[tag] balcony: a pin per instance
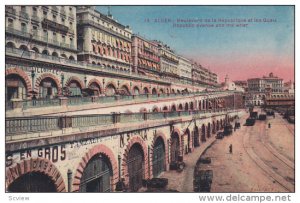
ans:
(39, 38)
(10, 10)
(24, 15)
(35, 18)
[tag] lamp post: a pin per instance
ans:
(62, 83)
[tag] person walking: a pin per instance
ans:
(230, 148)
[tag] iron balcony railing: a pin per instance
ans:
(25, 125)
(38, 38)
(36, 103)
(31, 124)
(73, 101)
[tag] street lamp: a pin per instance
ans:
(62, 83)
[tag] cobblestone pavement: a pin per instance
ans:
(260, 162)
(183, 182)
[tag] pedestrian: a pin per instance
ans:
(230, 148)
(269, 125)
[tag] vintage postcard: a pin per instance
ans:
(189, 99)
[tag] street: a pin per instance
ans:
(262, 158)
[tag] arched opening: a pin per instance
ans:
(136, 90)
(155, 109)
(186, 107)
(200, 107)
(146, 90)
(165, 108)
(158, 157)
(180, 107)
(161, 91)
(64, 56)
(96, 89)
(33, 182)
(97, 175)
(36, 50)
(45, 52)
(143, 110)
(154, 91)
(124, 90)
(48, 88)
(173, 108)
(23, 47)
(196, 137)
(203, 133)
(15, 87)
(208, 130)
(71, 58)
(10, 45)
(75, 88)
(192, 105)
(55, 54)
(110, 90)
(175, 147)
(135, 164)
(188, 146)
(173, 91)
(178, 91)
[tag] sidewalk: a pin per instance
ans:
(183, 182)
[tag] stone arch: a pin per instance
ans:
(173, 107)
(98, 149)
(165, 108)
(143, 110)
(75, 78)
(125, 90)
(189, 140)
(154, 91)
(24, 47)
(186, 106)
(47, 75)
(196, 136)
(200, 107)
(218, 125)
(22, 74)
(134, 140)
(40, 165)
(176, 131)
(192, 105)
(10, 45)
(146, 90)
(35, 49)
(155, 109)
(158, 135)
(94, 80)
(136, 90)
(180, 107)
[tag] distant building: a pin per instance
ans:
(145, 56)
(103, 41)
(266, 83)
(229, 85)
(185, 70)
(169, 62)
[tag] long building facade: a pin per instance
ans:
(92, 107)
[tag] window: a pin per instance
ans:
(45, 35)
(23, 9)
(45, 13)
(63, 20)
(23, 27)
(70, 8)
(10, 23)
(64, 39)
(54, 36)
(54, 17)
(34, 31)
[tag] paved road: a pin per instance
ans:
(261, 161)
